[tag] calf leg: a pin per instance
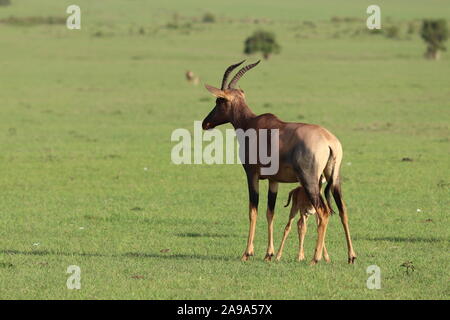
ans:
(302, 227)
(287, 229)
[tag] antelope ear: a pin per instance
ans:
(217, 92)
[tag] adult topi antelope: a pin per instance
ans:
(305, 151)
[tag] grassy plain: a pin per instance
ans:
(86, 178)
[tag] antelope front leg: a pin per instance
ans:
(253, 183)
(271, 200)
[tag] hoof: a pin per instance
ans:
(327, 259)
(313, 262)
(268, 257)
(246, 256)
(351, 260)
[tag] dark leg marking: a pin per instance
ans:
(271, 200)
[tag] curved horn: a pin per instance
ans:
(227, 73)
(241, 73)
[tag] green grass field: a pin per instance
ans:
(85, 171)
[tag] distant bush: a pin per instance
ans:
(102, 34)
(309, 24)
(98, 34)
(434, 33)
(208, 18)
(262, 41)
(172, 25)
(4, 3)
(374, 31)
(177, 24)
(393, 32)
(412, 28)
(336, 19)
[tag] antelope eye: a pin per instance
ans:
(221, 103)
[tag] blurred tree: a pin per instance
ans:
(434, 33)
(262, 41)
(208, 18)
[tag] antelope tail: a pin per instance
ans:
(330, 183)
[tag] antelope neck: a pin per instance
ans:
(241, 115)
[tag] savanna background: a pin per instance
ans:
(85, 171)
